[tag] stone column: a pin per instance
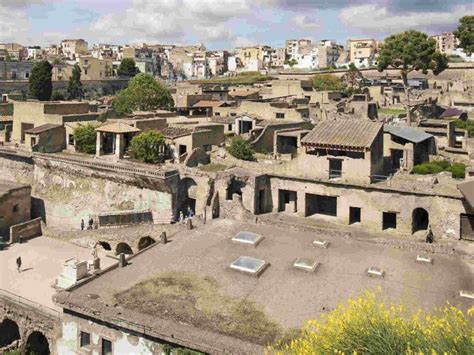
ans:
(99, 143)
(119, 145)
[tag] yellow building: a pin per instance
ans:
(362, 51)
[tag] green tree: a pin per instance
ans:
(127, 67)
(241, 149)
(57, 95)
(465, 34)
(148, 147)
(143, 93)
(328, 82)
(411, 51)
(85, 138)
(353, 77)
(74, 87)
(291, 62)
(41, 85)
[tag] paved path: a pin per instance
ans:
(42, 261)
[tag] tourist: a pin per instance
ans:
(181, 217)
(429, 236)
(91, 223)
(18, 264)
(82, 224)
(190, 213)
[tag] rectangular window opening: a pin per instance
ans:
(85, 339)
(106, 347)
(354, 215)
(389, 220)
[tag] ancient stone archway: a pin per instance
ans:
(188, 195)
(37, 344)
(9, 332)
(123, 248)
(145, 242)
(105, 245)
(420, 219)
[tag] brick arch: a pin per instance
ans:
(37, 343)
(9, 333)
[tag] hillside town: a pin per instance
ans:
(307, 198)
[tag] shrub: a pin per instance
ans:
(57, 95)
(366, 325)
(241, 149)
(328, 82)
(457, 170)
(468, 125)
(147, 147)
(85, 138)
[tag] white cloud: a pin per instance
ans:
(14, 25)
(170, 20)
(243, 42)
(304, 22)
(378, 19)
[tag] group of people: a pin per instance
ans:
(189, 215)
(90, 224)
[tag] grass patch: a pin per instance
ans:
(457, 170)
(188, 298)
(468, 125)
(248, 78)
(391, 111)
(213, 167)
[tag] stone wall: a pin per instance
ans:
(26, 230)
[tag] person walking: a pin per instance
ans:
(18, 264)
(82, 224)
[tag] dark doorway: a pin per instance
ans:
(182, 149)
(420, 220)
(108, 143)
(145, 242)
(106, 347)
(287, 201)
(9, 332)
(319, 204)
(397, 155)
(335, 168)
(245, 126)
(37, 344)
(261, 201)
(123, 248)
(188, 196)
(354, 215)
(467, 226)
(389, 220)
(235, 187)
(24, 127)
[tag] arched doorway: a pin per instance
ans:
(37, 344)
(234, 186)
(145, 242)
(105, 245)
(420, 219)
(9, 332)
(188, 195)
(123, 248)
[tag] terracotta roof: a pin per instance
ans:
(175, 132)
(42, 128)
(347, 133)
(117, 127)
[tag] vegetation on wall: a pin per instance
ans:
(143, 93)
(367, 325)
(468, 125)
(241, 149)
(57, 95)
(328, 82)
(40, 80)
(292, 62)
(148, 147)
(85, 138)
(411, 51)
(458, 170)
(247, 78)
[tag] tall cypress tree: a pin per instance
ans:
(41, 85)
(74, 88)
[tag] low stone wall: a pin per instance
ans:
(26, 230)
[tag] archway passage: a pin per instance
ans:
(188, 196)
(145, 242)
(37, 344)
(235, 186)
(420, 219)
(105, 245)
(123, 248)
(9, 332)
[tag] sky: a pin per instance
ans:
(221, 24)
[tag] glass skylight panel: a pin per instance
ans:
(249, 265)
(306, 264)
(247, 238)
